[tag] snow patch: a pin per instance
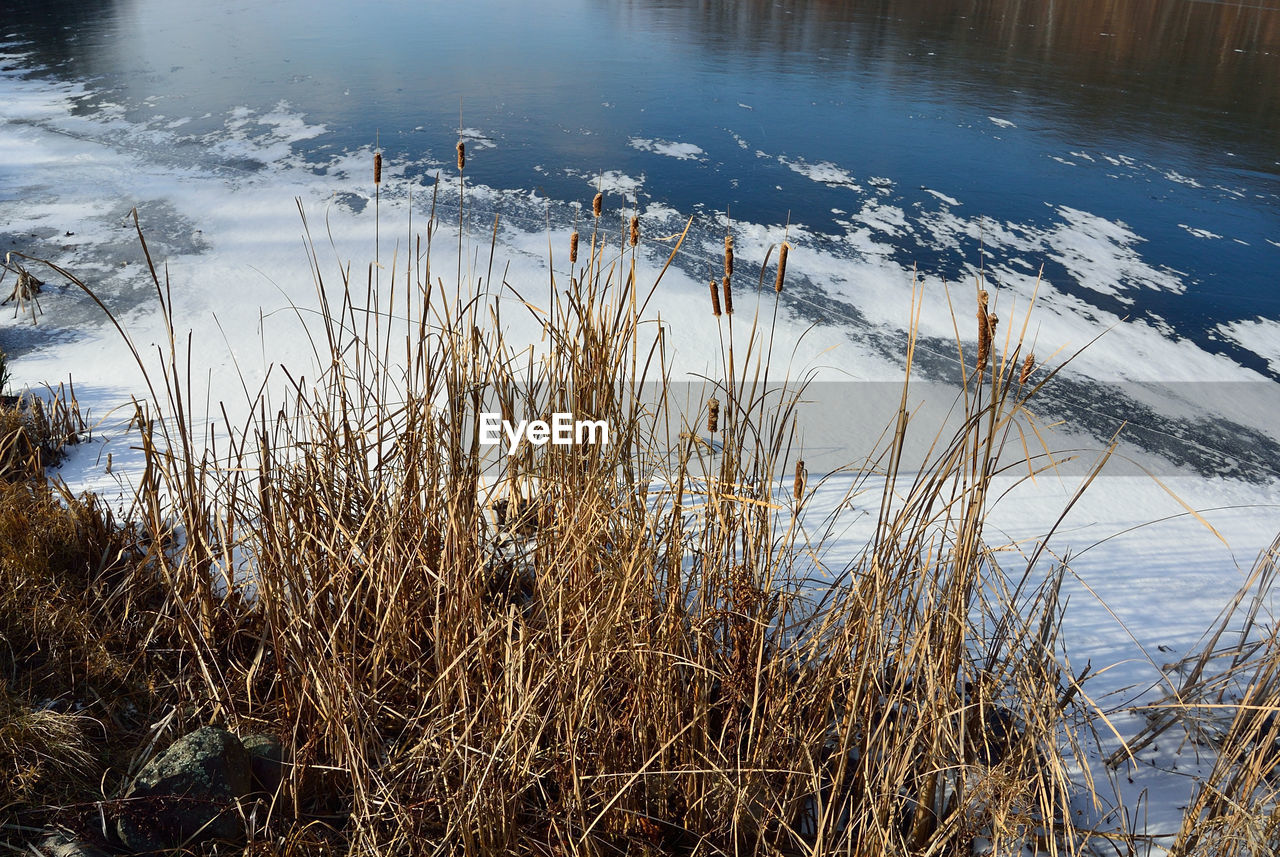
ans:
(1259, 335)
(1178, 178)
(679, 151)
(942, 196)
(1199, 233)
(823, 172)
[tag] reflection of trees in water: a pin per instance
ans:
(1118, 55)
(54, 30)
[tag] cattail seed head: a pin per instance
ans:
(597, 205)
(462, 155)
(728, 297)
(715, 298)
(573, 247)
(798, 488)
(984, 330)
(782, 266)
(728, 255)
(713, 415)
(1027, 365)
(377, 168)
(635, 230)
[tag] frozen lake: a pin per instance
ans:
(1130, 148)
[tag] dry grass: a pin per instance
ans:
(632, 660)
(1225, 698)
(85, 648)
(34, 431)
(583, 650)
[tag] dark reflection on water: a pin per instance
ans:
(1196, 69)
(53, 29)
(1197, 72)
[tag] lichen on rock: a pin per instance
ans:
(188, 794)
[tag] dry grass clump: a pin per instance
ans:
(86, 650)
(66, 578)
(598, 649)
(34, 432)
(43, 753)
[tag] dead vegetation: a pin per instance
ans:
(573, 650)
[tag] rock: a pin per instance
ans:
(65, 845)
(188, 794)
(266, 757)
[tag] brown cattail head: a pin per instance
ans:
(728, 255)
(715, 298)
(986, 341)
(1027, 365)
(573, 247)
(462, 156)
(377, 168)
(782, 266)
(713, 415)
(984, 330)
(728, 297)
(798, 488)
(597, 205)
(635, 230)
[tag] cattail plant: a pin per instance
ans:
(782, 266)
(377, 208)
(727, 706)
(635, 230)
(462, 156)
(1027, 366)
(573, 247)
(728, 256)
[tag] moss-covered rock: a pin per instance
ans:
(188, 794)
